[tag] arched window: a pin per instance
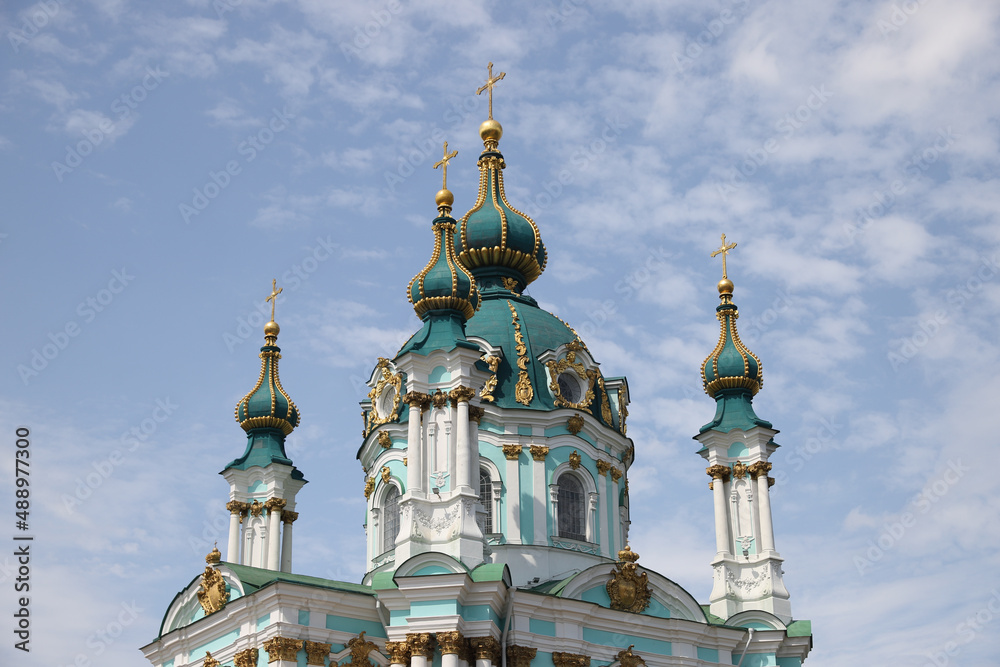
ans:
(486, 499)
(390, 519)
(572, 509)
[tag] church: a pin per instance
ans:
(496, 460)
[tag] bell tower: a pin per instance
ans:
(737, 445)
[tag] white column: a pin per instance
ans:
(463, 454)
(274, 506)
(413, 449)
(606, 541)
(538, 491)
(593, 508)
(718, 473)
(764, 503)
(449, 660)
(286, 540)
(513, 482)
(233, 553)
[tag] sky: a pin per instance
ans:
(163, 162)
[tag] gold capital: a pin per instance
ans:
(486, 648)
(316, 652)
(461, 394)
(724, 250)
(450, 642)
(398, 652)
(603, 467)
(282, 648)
(476, 413)
(539, 452)
(520, 656)
(421, 643)
(274, 504)
(718, 472)
(287, 516)
(570, 660)
(759, 468)
(360, 648)
(247, 658)
(275, 291)
(512, 452)
(490, 82)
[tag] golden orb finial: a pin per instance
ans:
(726, 286)
(444, 197)
(272, 329)
(491, 131)
(214, 556)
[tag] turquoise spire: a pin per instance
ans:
(267, 413)
(731, 374)
(444, 294)
(498, 243)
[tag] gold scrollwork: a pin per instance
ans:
(574, 460)
(369, 486)
(603, 467)
(622, 412)
(256, 508)
(384, 440)
(212, 594)
(605, 403)
(616, 474)
(486, 393)
(523, 391)
(386, 474)
(628, 659)
(739, 470)
(386, 380)
(510, 284)
(210, 661)
(439, 399)
(574, 424)
(628, 590)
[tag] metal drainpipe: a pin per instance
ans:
(506, 626)
(749, 639)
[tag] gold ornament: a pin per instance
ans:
(421, 643)
(574, 460)
(386, 381)
(569, 362)
(574, 424)
(486, 393)
(622, 412)
(718, 472)
(628, 590)
(476, 413)
(256, 508)
(386, 474)
(369, 486)
(384, 440)
(212, 595)
(210, 661)
(461, 394)
(490, 82)
(360, 648)
(605, 403)
(603, 467)
(486, 648)
(214, 556)
(439, 399)
(759, 468)
(739, 470)
(523, 391)
(616, 474)
(288, 516)
(275, 504)
(628, 659)
(398, 652)
(450, 642)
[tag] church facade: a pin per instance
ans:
(496, 462)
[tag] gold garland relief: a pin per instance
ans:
(486, 393)
(523, 391)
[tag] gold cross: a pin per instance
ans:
(443, 162)
(724, 250)
(275, 291)
(490, 82)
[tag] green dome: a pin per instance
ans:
(494, 239)
(731, 364)
(267, 405)
(444, 284)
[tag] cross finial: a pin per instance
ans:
(490, 82)
(724, 250)
(275, 291)
(443, 162)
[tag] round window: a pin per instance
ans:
(569, 388)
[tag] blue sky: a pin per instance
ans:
(162, 162)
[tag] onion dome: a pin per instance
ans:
(731, 374)
(444, 284)
(268, 405)
(495, 240)
(731, 364)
